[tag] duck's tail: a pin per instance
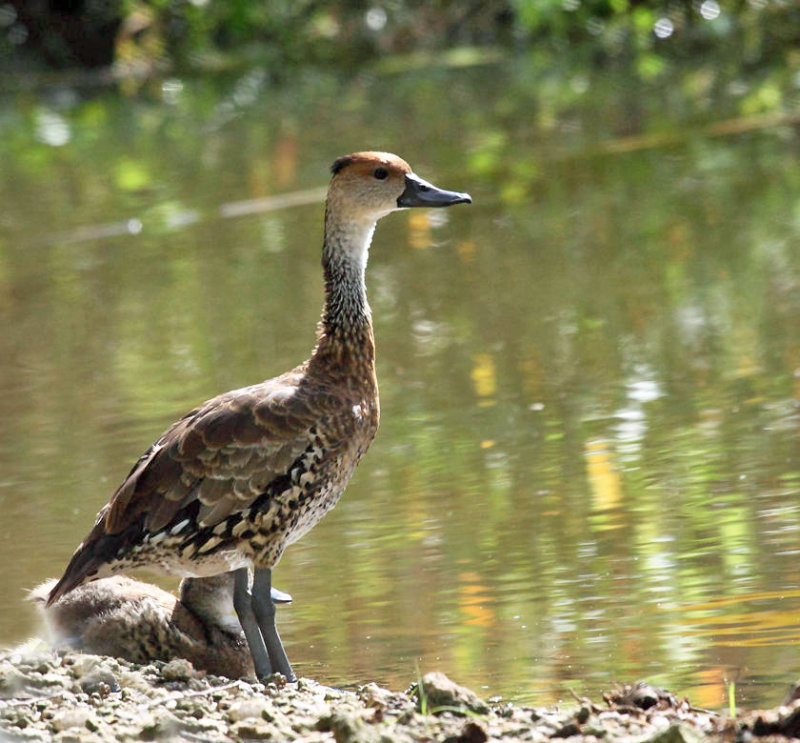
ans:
(98, 556)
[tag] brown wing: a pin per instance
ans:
(222, 455)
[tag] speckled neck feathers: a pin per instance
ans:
(345, 331)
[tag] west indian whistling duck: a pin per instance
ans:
(232, 483)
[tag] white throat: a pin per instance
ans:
(351, 239)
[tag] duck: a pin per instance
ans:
(230, 485)
(141, 623)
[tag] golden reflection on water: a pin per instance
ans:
(603, 476)
(752, 627)
(484, 378)
(419, 230)
(475, 601)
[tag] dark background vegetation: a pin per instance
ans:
(142, 35)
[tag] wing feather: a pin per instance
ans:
(214, 462)
(223, 454)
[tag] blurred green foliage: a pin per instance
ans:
(181, 34)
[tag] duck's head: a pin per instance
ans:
(369, 185)
(211, 599)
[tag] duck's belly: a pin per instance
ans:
(164, 559)
(258, 535)
(293, 514)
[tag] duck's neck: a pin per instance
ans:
(345, 336)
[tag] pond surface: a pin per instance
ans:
(588, 467)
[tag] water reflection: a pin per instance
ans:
(52, 128)
(587, 467)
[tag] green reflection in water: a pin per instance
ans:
(587, 468)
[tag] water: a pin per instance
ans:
(587, 469)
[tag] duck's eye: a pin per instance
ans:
(380, 173)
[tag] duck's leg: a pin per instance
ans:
(243, 605)
(264, 609)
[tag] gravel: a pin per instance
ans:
(66, 696)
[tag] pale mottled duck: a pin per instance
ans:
(232, 483)
(140, 622)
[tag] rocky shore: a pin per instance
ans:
(45, 695)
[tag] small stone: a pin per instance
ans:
(440, 691)
(373, 696)
(73, 735)
(472, 732)
(349, 728)
(641, 695)
(39, 681)
(178, 669)
(11, 680)
(197, 708)
(43, 665)
(99, 681)
(80, 664)
(567, 730)
(407, 717)
(33, 656)
(784, 720)
(676, 733)
(198, 683)
(71, 718)
(18, 718)
(253, 730)
(91, 725)
(251, 709)
(161, 724)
